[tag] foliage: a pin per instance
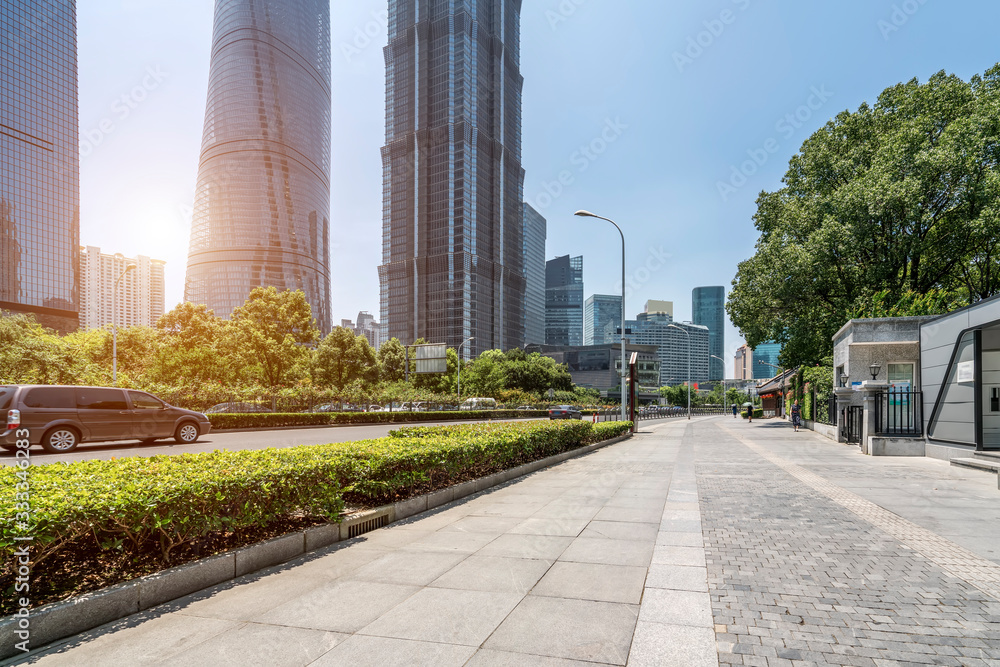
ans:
(884, 303)
(392, 360)
(892, 208)
(343, 358)
(271, 331)
(277, 420)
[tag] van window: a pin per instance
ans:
(100, 399)
(143, 401)
(51, 397)
(6, 394)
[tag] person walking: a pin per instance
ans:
(736, 410)
(750, 414)
(796, 416)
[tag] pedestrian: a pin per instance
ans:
(736, 410)
(796, 416)
(750, 414)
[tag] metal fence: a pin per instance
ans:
(898, 413)
(826, 411)
(853, 422)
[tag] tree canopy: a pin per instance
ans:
(880, 207)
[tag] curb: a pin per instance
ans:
(59, 620)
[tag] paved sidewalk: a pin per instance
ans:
(695, 543)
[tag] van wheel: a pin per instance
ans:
(186, 434)
(60, 440)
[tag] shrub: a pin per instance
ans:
(757, 414)
(283, 420)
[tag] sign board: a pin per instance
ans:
(856, 386)
(432, 358)
(966, 371)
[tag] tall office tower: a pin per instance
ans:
(765, 360)
(262, 203)
(40, 153)
(708, 307)
(452, 251)
(743, 363)
(598, 311)
(140, 292)
(564, 301)
(683, 350)
(534, 276)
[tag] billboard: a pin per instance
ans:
(432, 358)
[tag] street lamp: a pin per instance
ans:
(460, 368)
(114, 325)
(674, 326)
(722, 361)
(874, 369)
(588, 214)
(844, 377)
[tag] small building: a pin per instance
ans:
(598, 366)
(772, 393)
(885, 349)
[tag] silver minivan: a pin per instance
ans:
(61, 417)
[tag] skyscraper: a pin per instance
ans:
(598, 311)
(708, 309)
(681, 356)
(40, 153)
(140, 298)
(564, 301)
(765, 360)
(534, 276)
(452, 249)
(262, 204)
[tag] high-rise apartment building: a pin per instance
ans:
(598, 311)
(452, 248)
(564, 301)
(743, 363)
(40, 153)
(673, 346)
(140, 292)
(534, 276)
(708, 308)
(262, 203)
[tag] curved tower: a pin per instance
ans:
(262, 203)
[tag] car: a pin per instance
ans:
(479, 404)
(235, 407)
(525, 407)
(565, 412)
(375, 408)
(60, 417)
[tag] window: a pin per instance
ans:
(141, 401)
(100, 399)
(51, 397)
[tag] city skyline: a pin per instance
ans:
(147, 112)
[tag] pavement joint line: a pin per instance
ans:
(958, 561)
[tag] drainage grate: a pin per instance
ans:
(367, 523)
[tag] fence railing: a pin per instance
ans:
(853, 423)
(899, 413)
(826, 411)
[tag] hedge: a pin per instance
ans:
(757, 414)
(269, 419)
(162, 502)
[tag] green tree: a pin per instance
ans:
(272, 331)
(392, 360)
(342, 358)
(30, 354)
(901, 197)
(196, 347)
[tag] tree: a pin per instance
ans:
(392, 360)
(30, 354)
(272, 331)
(900, 198)
(343, 358)
(195, 347)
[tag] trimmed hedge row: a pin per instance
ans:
(757, 414)
(160, 503)
(269, 419)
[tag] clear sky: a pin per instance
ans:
(640, 107)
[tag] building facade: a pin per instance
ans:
(673, 346)
(743, 363)
(599, 310)
(765, 360)
(453, 217)
(534, 276)
(140, 292)
(367, 327)
(599, 366)
(564, 301)
(708, 308)
(262, 200)
(40, 153)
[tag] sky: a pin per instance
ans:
(668, 116)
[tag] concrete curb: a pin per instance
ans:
(58, 620)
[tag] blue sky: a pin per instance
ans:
(640, 108)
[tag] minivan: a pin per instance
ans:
(61, 417)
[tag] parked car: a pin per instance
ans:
(61, 417)
(525, 407)
(479, 404)
(375, 408)
(565, 412)
(237, 407)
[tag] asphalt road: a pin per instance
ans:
(214, 441)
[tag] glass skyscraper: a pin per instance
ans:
(534, 276)
(40, 153)
(765, 360)
(452, 249)
(598, 311)
(564, 301)
(708, 306)
(262, 203)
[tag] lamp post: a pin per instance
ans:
(460, 369)
(724, 402)
(874, 369)
(588, 214)
(674, 326)
(114, 325)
